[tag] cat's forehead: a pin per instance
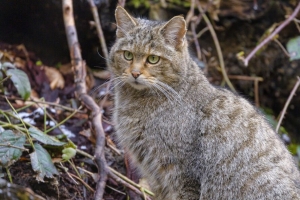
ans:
(145, 29)
(144, 34)
(148, 23)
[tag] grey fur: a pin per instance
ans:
(189, 139)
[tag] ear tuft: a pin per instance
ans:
(174, 31)
(125, 22)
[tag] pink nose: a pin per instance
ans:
(135, 74)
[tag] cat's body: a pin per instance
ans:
(189, 139)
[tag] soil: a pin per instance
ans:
(39, 26)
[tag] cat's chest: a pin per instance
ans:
(135, 116)
(154, 122)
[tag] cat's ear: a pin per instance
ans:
(125, 22)
(174, 31)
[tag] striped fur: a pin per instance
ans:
(188, 138)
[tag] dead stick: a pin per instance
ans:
(121, 181)
(190, 14)
(218, 47)
(245, 78)
(121, 3)
(193, 27)
(271, 36)
(287, 103)
(79, 70)
(98, 27)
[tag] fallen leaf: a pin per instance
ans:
(21, 82)
(44, 138)
(41, 163)
(9, 151)
(55, 77)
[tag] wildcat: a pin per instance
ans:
(189, 139)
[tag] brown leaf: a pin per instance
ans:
(55, 77)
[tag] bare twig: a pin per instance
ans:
(6, 78)
(82, 181)
(66, 171)
(61, 122)
(79, 70)
(271, 36)
(287, 103)
(282, 47)
(246, 78)
(218, 47)
(202, 32)
(196, 40)
(45, 102)
(121, 181)
(121, 3)
(296, 21)
(190, 14)
(98, 27)
(118, 177)
(130, 181)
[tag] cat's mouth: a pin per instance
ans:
(137, 84)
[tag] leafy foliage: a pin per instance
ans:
(293, 47)
(42, 137)
(11, 147)
(41, 163)
(18, 77)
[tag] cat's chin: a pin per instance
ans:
(138, 86)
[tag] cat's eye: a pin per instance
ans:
(152, 59)
(128, 55)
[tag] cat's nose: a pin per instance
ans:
(135, 74)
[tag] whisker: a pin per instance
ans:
(165, 91)
(170, 91)
(119, 80)
(95, 89)
(107, 59)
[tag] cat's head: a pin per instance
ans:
(148, 54)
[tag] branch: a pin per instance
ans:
(218, 47)
(271, 36)
(287, 103)
(98, 27)
(196, 40)
(79, 70)
(118, 177)
(121, 3)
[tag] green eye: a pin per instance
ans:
(128, 55)
(152, 59)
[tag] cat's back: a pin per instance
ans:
(242, 157)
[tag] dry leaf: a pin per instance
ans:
(66, 69)
(19, 102)
(34, 95)
(20, 63)
(88, 134)
(55, 77)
